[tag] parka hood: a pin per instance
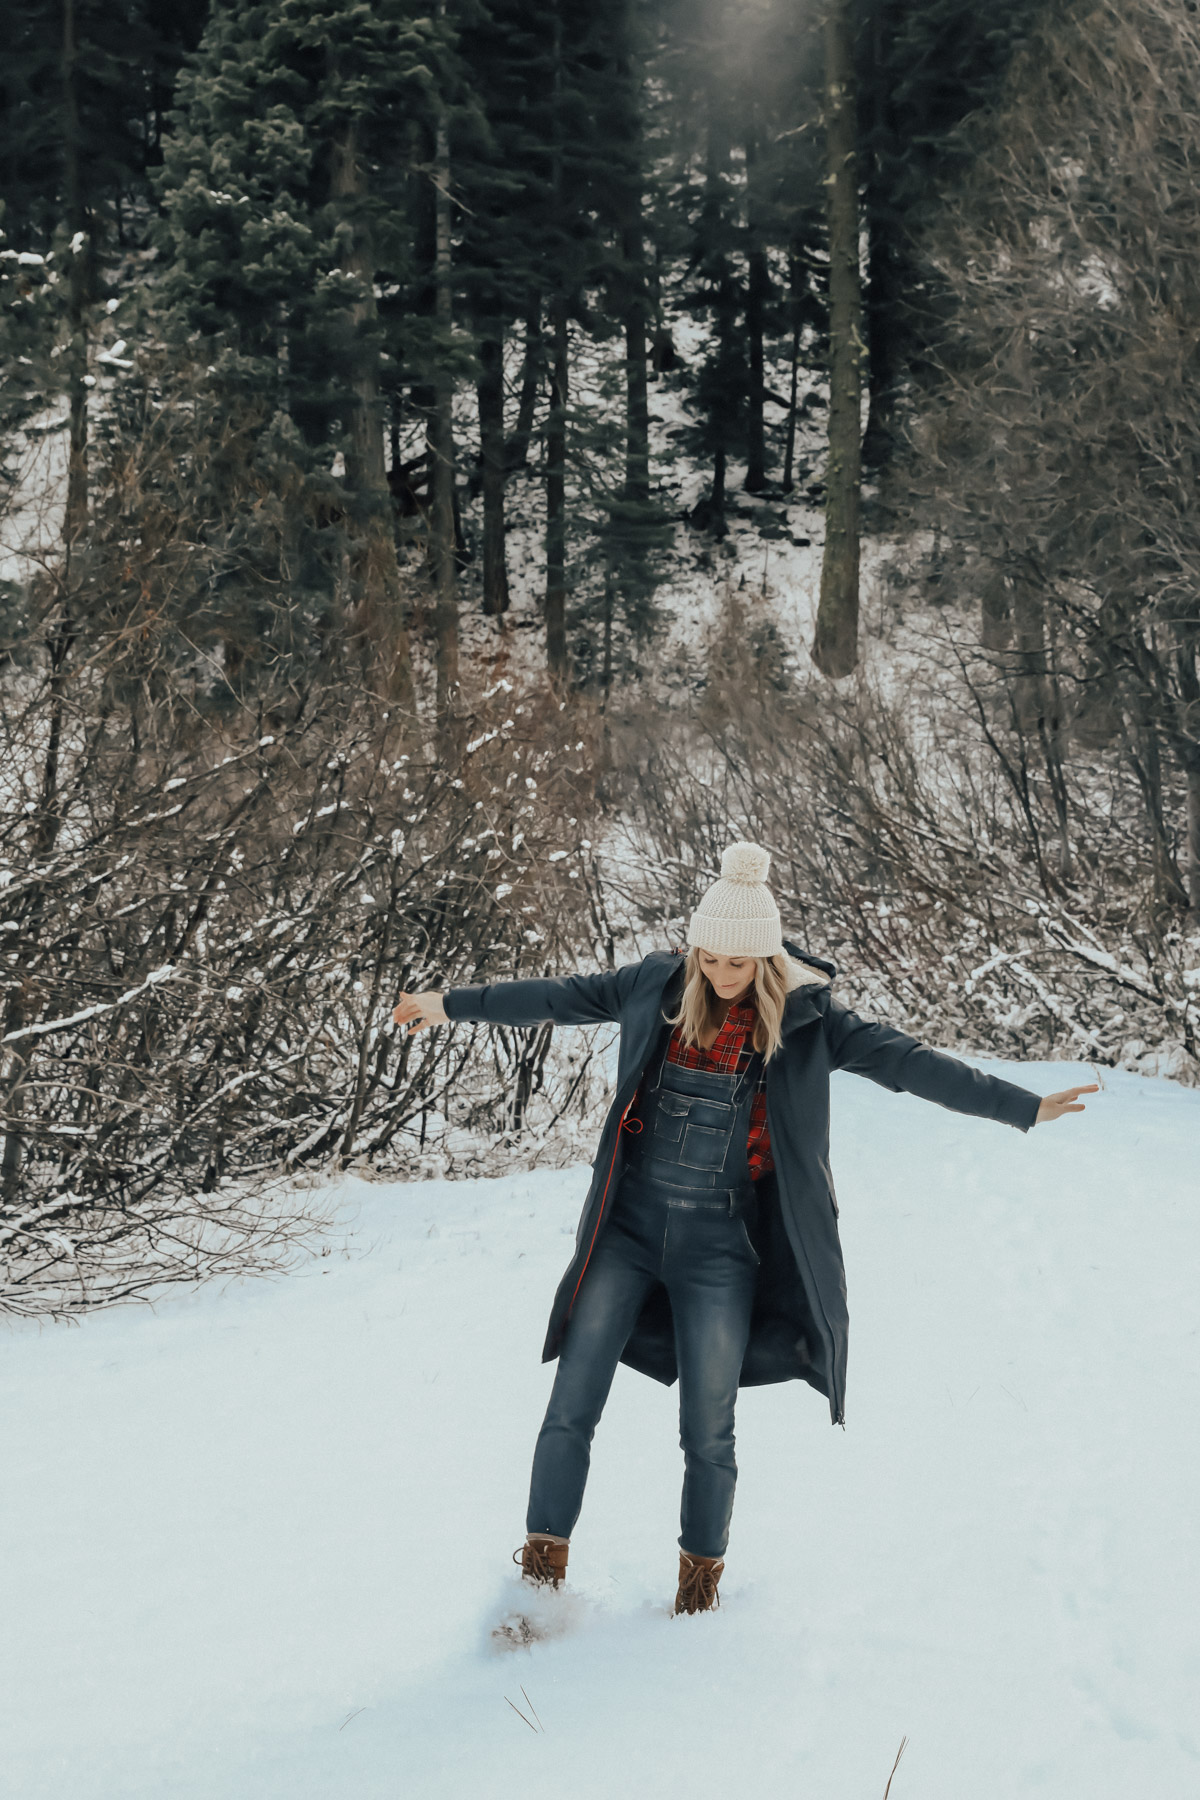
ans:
(827, 969)
(809, 998)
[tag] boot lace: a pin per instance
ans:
(535, 1562)
(698, 1586)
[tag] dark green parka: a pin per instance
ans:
(800, 1326)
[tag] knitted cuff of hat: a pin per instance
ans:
(738, 915)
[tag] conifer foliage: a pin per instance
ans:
(285, 194)
(384, 236)
(386, 363)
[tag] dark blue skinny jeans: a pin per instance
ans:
(700, 1250)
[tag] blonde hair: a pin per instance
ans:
(774, 979)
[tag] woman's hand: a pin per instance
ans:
(1055, 1105)
(419, 1010)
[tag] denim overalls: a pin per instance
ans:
(682, 1217)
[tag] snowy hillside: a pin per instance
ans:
(255, 1538)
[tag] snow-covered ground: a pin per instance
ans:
(254, 1539)
(31, 514)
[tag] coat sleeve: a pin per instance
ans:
(900, 1062)
(565, 1000)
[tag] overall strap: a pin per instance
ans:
(750, 1076)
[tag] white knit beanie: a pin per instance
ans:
(737, 916)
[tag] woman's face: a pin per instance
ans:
(730, 976)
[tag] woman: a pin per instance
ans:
(708, 1246)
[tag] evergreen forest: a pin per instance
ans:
(463, 463)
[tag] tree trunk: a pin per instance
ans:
(1187, 675)
(48, 820)
(637, 388)
(556, 424)
(78, 285)
(606, 672)
(716, 523)
(885, 295)
(374, 575)
(75, 515)
(12, 1093)
(527, 1077)
(835, 649)
(394, 417)
(1145, 758)
(556, 496)
(441, 436)
(789, 454)
(517, 455)
(1028, 658)
(758, 288)
(1192, 856)
(629, 520)
(663, 357)
(1038, 704)
(995, 612)
(490, 393)
(1054, 747)
(725, 374)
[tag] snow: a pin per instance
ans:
(31, 521)
(255, 1537)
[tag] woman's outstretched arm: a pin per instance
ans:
(563, 1000)
(900, 1062)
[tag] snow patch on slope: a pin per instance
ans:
(257, 1537)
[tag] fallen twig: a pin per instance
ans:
(900, 1752)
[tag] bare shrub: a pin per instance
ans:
(903, 848)
(223, 850)
(1054, 432)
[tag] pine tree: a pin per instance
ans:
(835, 648)
(723, 380)
(922, 69)
(726, 129)
(635, 530)
(608, 182)
(500, 267)
(285, 193)
(82, 91)
(539, 239)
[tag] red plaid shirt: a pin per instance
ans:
(729, 1054)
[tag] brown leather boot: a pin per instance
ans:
(698, 1578)
(543, 1558)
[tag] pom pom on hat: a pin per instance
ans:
(745, 862)
(738, 915)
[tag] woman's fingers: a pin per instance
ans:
(418, 1011)
(1055, 1105)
